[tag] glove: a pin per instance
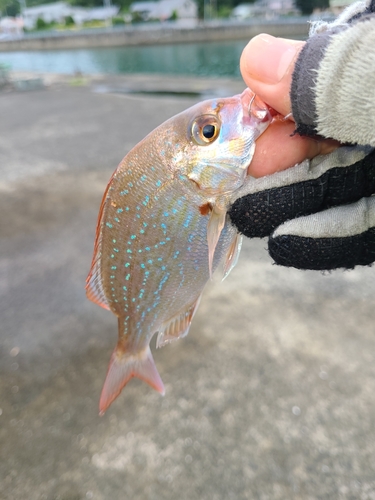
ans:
(320, 214)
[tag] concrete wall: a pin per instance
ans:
(161, 35)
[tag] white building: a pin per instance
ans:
(49, 12)
(164, 9)
(264, 8)
(57, 12)
(11, 27)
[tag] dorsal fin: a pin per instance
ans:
(178, 326)
(94, 287)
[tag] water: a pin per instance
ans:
(195, 59)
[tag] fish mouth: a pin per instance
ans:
(254, 107)
(257, 116)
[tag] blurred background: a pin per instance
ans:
(271, 395)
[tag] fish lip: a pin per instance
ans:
(257, 116)
(254, 107)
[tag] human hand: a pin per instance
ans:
(320, 213)
(267, 65)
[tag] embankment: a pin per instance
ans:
(153, 35)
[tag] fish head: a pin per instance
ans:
(220, 141)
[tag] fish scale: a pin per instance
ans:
(162, 229)
(153, 248)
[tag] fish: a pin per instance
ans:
(163, 229)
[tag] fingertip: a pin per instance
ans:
(267, 65)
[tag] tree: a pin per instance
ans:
(10, 7)
(307, 6)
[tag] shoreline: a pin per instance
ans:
(157, 35)
(147, 84)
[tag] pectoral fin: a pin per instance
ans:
(178, 326)
(233, 253)
(214, 227)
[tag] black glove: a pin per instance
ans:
(336, 189)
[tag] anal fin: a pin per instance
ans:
(233, 253)
(178, 326)
(214, 227)
(123, 367)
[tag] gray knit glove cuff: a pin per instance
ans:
(322, 92)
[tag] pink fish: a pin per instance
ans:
(162, 229)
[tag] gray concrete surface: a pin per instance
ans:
(271, 396)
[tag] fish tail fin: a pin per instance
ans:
(123, 367)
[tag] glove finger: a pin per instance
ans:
(341, 237)
(344, 176)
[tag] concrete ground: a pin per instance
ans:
(271, 396)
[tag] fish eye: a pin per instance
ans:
(208, 131)
(205, 129)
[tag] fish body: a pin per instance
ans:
(162, 228)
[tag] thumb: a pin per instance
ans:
(267, 65)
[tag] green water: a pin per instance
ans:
(195, 59)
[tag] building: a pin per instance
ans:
(164, 9)
(49, 12)
(59, 11)
(11, 27)
(264, 8)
